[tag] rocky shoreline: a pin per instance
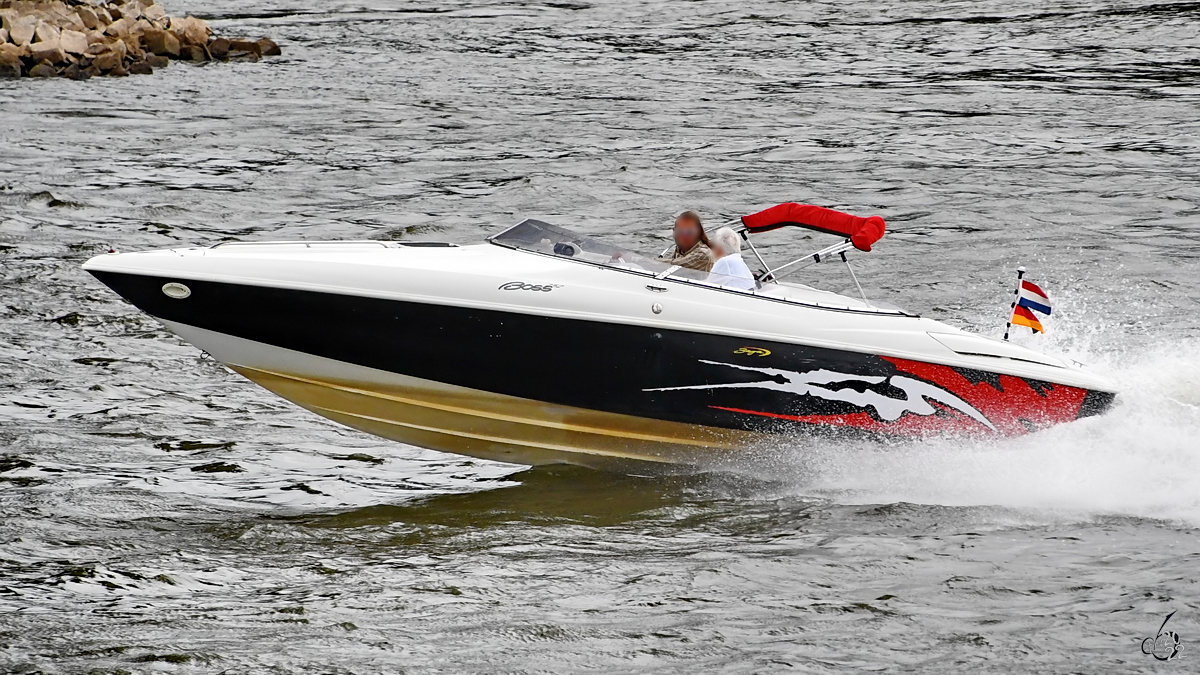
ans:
(89, 38)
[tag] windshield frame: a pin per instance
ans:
(541, 237)
(632, 262)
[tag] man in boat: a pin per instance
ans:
(692, 249)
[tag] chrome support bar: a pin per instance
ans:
(838, 248)
(855, 278)
(766, 275)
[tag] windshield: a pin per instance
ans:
(534, 235)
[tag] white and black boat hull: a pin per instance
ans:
(509, 384)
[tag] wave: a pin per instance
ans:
(1139, 459)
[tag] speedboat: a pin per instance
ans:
(541, 345)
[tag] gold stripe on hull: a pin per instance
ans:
(499, 427)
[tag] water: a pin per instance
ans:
(1062, 137)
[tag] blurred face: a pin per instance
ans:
(687, 233)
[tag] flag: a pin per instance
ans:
(1033, 297)
(1030, 298)
(1023, 317)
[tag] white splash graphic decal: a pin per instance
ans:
(917, 393)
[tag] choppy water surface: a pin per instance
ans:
(1059, 136)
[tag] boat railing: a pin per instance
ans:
(339, 242)
(306, 244)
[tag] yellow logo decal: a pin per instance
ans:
(752, 351)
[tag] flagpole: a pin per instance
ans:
(1016, 296)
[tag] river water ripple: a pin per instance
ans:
(1060, 136)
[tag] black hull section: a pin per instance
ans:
(678, 376)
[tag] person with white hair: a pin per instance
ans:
(729, 270)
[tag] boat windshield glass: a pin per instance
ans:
(534, 235)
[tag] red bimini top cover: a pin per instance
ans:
(862, 231)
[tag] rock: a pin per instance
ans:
(10, 60)
(118, 28)
(22, 33)
(89, 18)
(108, 60)
(219, 48)
(108, 55)
(194, 53)
(46, 32)
(74, 72)
(133, 49)
(10, 53)
(74, 42)
(43, 69)
(72, 21)
(47, 51)
(151, 35)
(161, 42)
(85, 38)
(190, 30)
(243, 56)
(243, 46)
(267, 47)
(154, 12)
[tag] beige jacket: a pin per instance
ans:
(698, 257)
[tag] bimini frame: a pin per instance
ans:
(860, 233)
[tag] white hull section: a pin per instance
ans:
(492, 277)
